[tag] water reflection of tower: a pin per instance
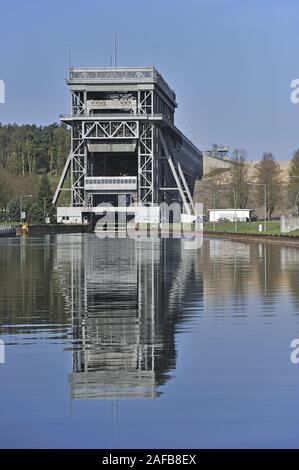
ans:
(127, 299)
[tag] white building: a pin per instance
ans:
(232, 215)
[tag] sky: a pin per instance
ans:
(230, 62)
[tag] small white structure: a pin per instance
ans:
(232, 215)
(69, 215)
(81, 215)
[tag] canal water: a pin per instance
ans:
(123, 343)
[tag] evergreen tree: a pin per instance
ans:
(31, 149)
(13, 209)
(43, 206)
(3, 192)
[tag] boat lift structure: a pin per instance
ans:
(125, 146)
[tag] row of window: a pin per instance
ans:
(112, 181)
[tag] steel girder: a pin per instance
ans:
(178, 176)
(145, 101)
(110, 129)
(146, 164)
(151, 143)
(146, 151)
(78, 99)
(78, 165)
(83, 131)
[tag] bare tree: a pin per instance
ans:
(267, 172)
(239, 178)
(293, 186)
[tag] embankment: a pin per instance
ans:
(249, 237)
(57, 229)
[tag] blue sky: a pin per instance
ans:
(230, 61)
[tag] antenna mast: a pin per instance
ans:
(115, 50)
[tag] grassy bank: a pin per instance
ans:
(273, 228)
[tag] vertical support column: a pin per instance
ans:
(152, 102)
(78, 100)
(145, 101)
(146, 164)
(174, 173)
(146, 171)
(84, 194)
(78, 164)
(79, 153)
(138, 102)
(157, 176)
(72, 166)
(85, 102)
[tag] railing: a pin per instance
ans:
(114, 116)
(110, 74)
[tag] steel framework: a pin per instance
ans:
(148, 128)
(146, 165)
(110, 130)
(78, 164)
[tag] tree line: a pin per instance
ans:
(260, 185)
(30, 149)
(29, 152)
(31, 160)
(267, 184)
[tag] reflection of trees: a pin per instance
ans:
(28, 285)
(242, 269)
(225, 267)
(268, 276)
(290, 265)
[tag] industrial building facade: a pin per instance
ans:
(126, 153)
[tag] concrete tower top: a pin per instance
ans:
(119, 75)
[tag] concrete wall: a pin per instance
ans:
(211, 163)
(6, 231)
(57, 229)
(288, 223)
